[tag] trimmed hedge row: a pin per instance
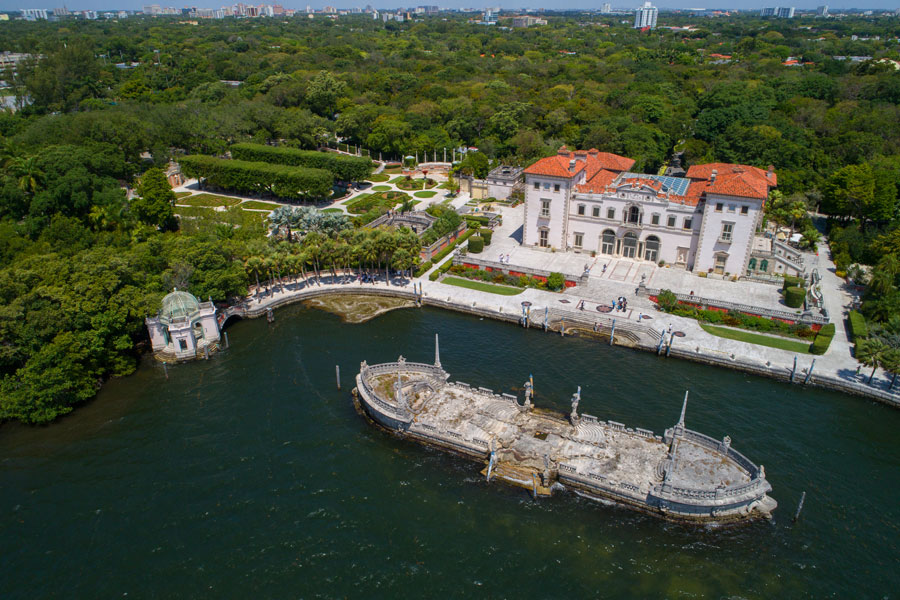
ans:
(823, 339)
(347, 168)
(486, 234)
(424, 268)
(793, 296)
(441, 270)
(858, 328)
(256, 177)
(476, 244)
(791, 281)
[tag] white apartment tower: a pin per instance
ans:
(645, 17)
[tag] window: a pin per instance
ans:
(654, 219)
(727, 230)
(610, 213)
(596, 211)
(182, 344)
(745, 209)
(671, 221)
(651, 248)
(545, 207)
(555, 187)
(751, 266)
(546, 185)
(629, 245)
(544, 234)
(731, 208)
(581, 209)
(634, 215)
(537, 185)
(721, 260)
(579, 238)
(687, 223)
(718, 207)
(608, 242)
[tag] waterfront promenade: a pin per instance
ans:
(837, 369)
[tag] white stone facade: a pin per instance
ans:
(184, 327)
(678, 221)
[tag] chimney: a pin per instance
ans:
(563, 151)
(770, 172)
(593, 152)
(712, 176)
(572, 165)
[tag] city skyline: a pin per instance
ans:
(137, 5)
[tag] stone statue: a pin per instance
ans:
(528, 392)
(401, 360)
(762, 472)
(576, 398)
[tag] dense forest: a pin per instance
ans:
(105, 104)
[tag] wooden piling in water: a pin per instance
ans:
(226, 340)
(799, 507)
(337, 374)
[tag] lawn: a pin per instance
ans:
(381, 188)
(393, 170)
(193, 211)
(182, 194)
(378, 178)
(209, 200)
(481, 286)
(397, 180)
(428, 194)
(755, 338)
(365, 203)
(256, 204)
(332, 210)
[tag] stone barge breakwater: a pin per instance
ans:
(681, 476)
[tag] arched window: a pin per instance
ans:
(651, 248)
(629, 245)
(764, 266)
(752, 264)
(608, 242)
(634, 215)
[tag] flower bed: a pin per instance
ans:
(522, 281)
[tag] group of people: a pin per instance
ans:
(620, 304)
(504, 259)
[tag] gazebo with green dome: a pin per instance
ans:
(184, 328)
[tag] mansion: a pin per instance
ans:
(589, 201)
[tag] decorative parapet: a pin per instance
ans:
(782, 315)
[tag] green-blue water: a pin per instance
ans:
(250, 475)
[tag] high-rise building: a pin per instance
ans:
(822, 11)
(35, 14)
(645, 17)
(785, 12)
(606, 8)
(767, 12)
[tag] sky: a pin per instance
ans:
(74, 5)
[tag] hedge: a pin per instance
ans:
(256, 177)
(347, 168)
(441, 270)
(477, 221)
(437, 257)
(424, 268)
(793, 296)
(476, 244)
(791, 281)
(486, 235)
(858, 328)
(821, 343)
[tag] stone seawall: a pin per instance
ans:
(637, 338)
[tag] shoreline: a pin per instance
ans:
(626, 334)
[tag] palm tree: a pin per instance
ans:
(402, 260)
(368, 252)
(254, 265)
(870, 352)
(891, 363)
(26, 169)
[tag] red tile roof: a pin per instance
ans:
(598, 183)
(704, 172)
(592, 160)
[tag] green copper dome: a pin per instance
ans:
(179, 304)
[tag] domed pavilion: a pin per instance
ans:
(184, 328)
